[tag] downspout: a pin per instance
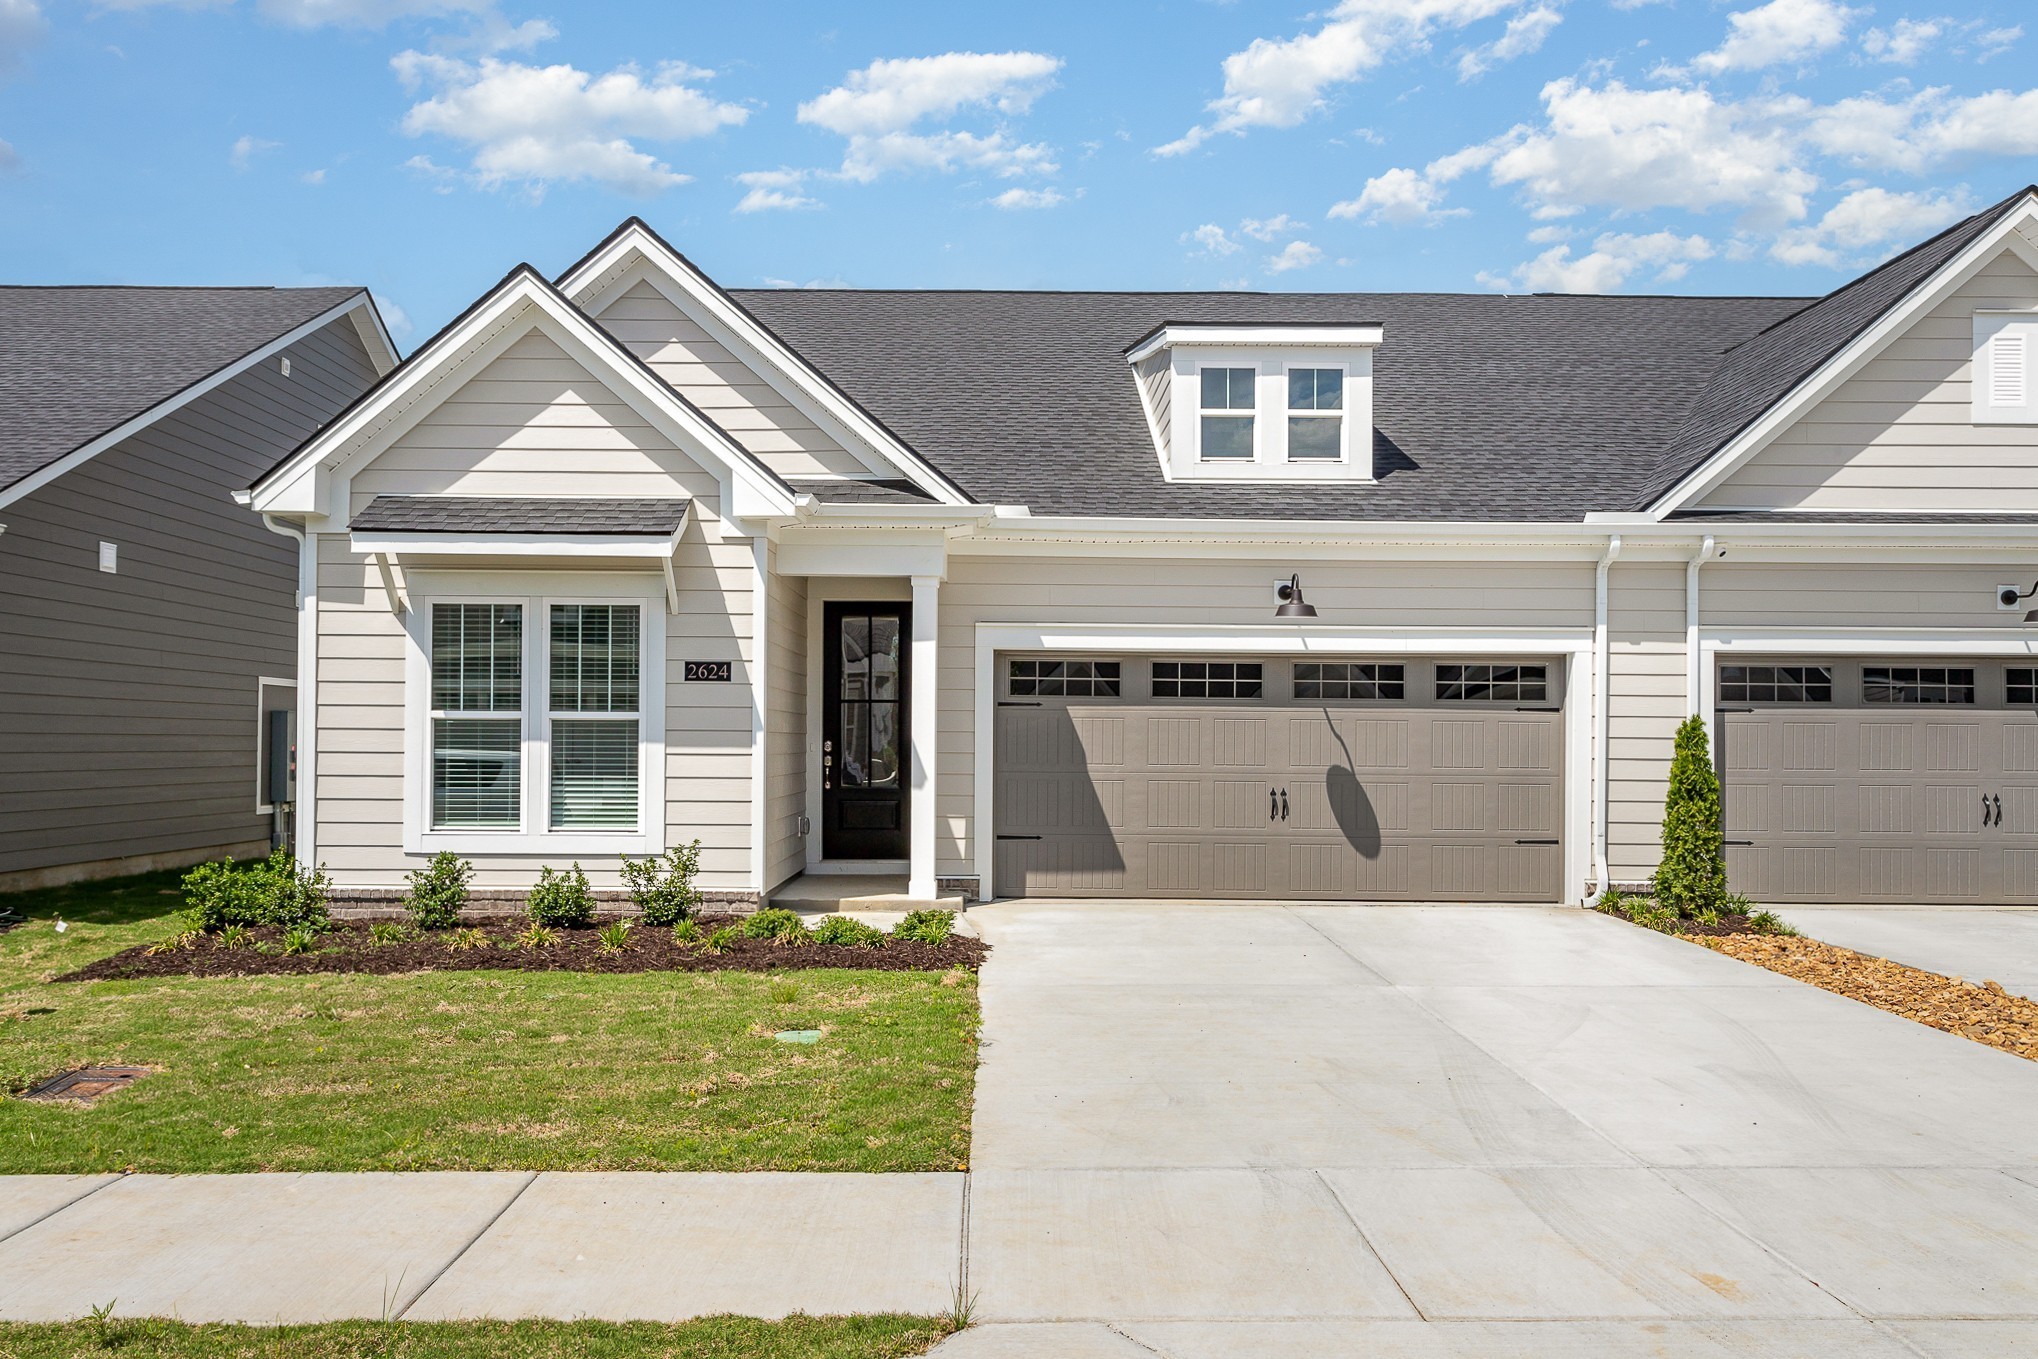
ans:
(1602, 688)
(307, 673)
(1693, 672)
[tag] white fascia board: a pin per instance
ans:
(2006, 234)
(128, 428)
(537, 545)
(821, 395)
(1261, 336)
(866, 555)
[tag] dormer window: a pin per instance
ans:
(1291, 401)
(1227, 413)
(1316, 414)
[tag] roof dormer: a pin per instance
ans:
(1279, 402)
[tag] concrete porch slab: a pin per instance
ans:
(835, 893)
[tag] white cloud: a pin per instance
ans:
(245, 148)
(1402, 197)
(1778, 32)
(1525, 34)
(1016, 200)
(774, 191)
(1606, 268)
(1213, 239)
(1868, 220)
(313, 177)
(1997, 41)
(1929, 130)
(1279, 82)
(1267, 229)
(1633, 150)
(21, 27)
(877, 108)
(1294, 255)
(537, 125)
(1903, 42)
(363, 13)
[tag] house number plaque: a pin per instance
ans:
(709, 672)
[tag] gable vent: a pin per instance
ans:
(2006, 370)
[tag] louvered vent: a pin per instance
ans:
(2007, 381)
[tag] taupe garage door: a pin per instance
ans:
(1278, 779)
(1866, 780)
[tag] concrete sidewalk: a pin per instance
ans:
(1998, 944)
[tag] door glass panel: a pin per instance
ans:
(855, 752)
(884, 657)
(855, 658)
(884, 745)
(871, 691)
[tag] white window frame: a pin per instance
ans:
(1989, 325)
(263, 684)
(536, 594)
(1181, 450)
(1344, 424)
(1259, 425)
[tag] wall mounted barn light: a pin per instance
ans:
(1293, 605)
(2009, 597)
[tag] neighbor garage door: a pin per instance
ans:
(1881, 780)
(1417, 781)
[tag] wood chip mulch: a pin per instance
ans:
(348, 947)
(1983, 1011)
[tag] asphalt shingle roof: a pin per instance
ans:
(502, 514)
(835, 491)
(76, 362)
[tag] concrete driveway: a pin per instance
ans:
(1208, 1130)
(1996, 944)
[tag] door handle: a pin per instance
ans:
(1999, 808)
(1984, 809)
(1273, 804)
(1284, 804)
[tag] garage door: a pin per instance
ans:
(1415, 781)
(1871, 780)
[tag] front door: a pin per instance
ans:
(865, 667)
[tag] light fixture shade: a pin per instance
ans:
(1293, 605)
(2031, 617)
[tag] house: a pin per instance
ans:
(1354, 596)
(147, 623)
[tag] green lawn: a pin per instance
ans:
(873, 1337)
(471, 1070)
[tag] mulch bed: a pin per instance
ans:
(1729, 925)
(349, 948)
(1983, 1012)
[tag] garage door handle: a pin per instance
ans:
(1284, 804)
(1732, 843)
(1273, 804)
(1019, 837)
(1536, 842)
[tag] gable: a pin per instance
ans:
(1900, 434)
(533, 421)
(735, 396)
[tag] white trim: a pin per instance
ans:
(1199, 410)
(1694, 684)
(1815, 387)
(535, 593)
(536, 545)
(133, 425)
(1576, 648)
(305, 840)
(588, 277)
(760, 697)
(1276, 334)
(1290, 413)
(264, 683)
(1602, 723)
(923, 701)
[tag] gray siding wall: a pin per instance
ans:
(128, 702)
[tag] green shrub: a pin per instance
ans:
(615, 936)
(664, 888)
(438, 891)
(388, 932)
(299, 939)
(233, 937)
(277, 891)
(780, 927)
(468, 938)
(687, 933)
(561, 900)
(724, 939)
(1768, 922)
(925, 927)
(1692, 876)
(848, 933)
(1612, 901)
(533, 936)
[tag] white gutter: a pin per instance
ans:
(1692, 672)
(307, 678)
(1602, 687)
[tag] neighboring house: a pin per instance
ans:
(147, 623)
(980, 588)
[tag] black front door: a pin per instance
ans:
(864, 774)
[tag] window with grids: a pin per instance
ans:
(477, 716)
(594, 715)
(1349, 679)
(1926, 684)
(1483, 683)
(1227, 413)
(1316, 421)
(1064, 679)
(2022, 685)
(1206, 679)
(1776, 684)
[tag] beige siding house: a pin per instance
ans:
(1336, 597)
(147, 623)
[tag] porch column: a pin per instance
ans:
(924, 706)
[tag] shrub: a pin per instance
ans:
(388, 932)
(298, 895)
(299, 939)
(534, 936)
(1768, 922)
(468, 938)
(925, 927)
(183, 939)
(687, 933)
(1612, 901)
(233, 937)
(781, 927)
(1693, 874)
(615, 935)
(724, 939)
(561, 900)
(848, 933)
(663, 888)
(277, 891)
(438, 891)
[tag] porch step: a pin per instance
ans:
(829, 893)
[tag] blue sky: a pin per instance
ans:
(422, 147)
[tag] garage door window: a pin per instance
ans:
(1206, 679)
(2022, 687)
(1776, 684)
(1348, 679)
(1493, 683)
(1064, 679)
(1935, 684)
